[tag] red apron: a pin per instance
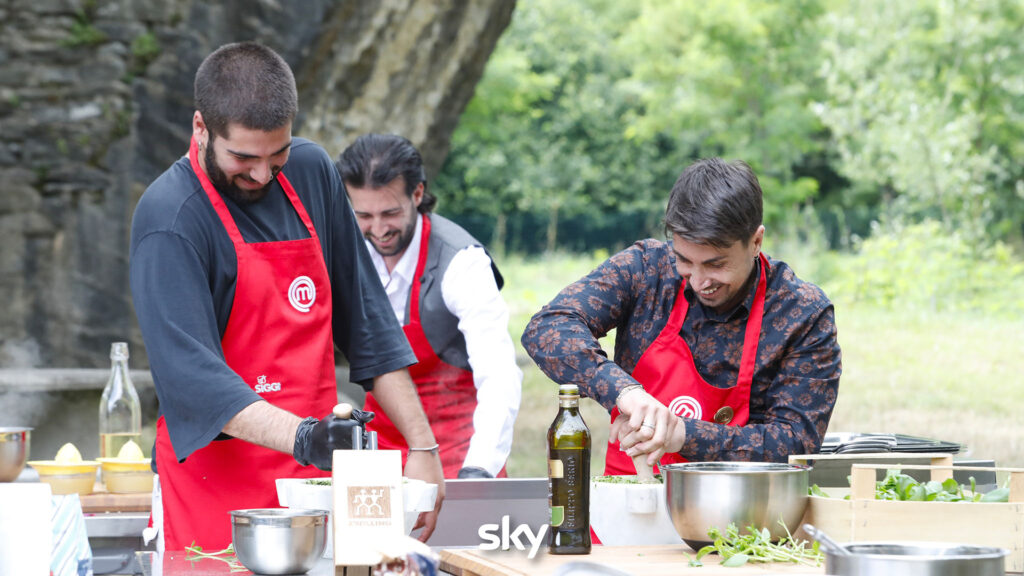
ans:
(447, 392)
(279, 341)
(668, 373)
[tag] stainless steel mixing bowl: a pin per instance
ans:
(701, 495)
(916, 559)
(14, 441)
(279, 540)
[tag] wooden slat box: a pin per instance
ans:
(864, 519)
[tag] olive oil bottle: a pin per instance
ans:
(569, 476)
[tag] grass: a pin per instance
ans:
(948, 377)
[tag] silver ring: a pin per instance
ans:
(647, 425)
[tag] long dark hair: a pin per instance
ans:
(374, 160)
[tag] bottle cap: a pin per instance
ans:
(568, 390)
(119, 350)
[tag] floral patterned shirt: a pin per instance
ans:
(796, 377)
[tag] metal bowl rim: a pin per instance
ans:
(735, 467)
(984, 552)
(285, 517)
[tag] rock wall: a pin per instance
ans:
(96, 100)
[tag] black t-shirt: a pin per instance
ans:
(183, 269)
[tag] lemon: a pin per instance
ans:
(130, 451)
(68, 454)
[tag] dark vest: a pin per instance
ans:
(441, 326)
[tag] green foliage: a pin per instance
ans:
(145, 48)
(756, 545)
(928, 267)
(850, 112)
(83, 33)
(925, 106)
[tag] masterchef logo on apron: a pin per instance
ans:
(686, 407)
(302, 294)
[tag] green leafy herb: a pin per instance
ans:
(756, 546)
(816, 490)
(227, 555)
(899, 486)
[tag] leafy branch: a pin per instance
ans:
(756, 546)
(227, 555)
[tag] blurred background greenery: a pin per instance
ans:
(887, 137)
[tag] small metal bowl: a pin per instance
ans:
(14, 443)
(701, 495)
(916, 559)
(279, 540)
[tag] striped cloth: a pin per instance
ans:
(71, 555)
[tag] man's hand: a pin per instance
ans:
(646, 426)
(426, 466)
(316, 440)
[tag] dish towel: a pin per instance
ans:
(71, 555)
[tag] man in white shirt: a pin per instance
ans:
(443, 288)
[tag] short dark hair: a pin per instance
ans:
(715, 202)
(248, 84)
(374, 160)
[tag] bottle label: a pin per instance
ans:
(557, 516)
(555, 469)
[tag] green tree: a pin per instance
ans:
(925, 103)
(591, 108)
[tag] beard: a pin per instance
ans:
(404, 238)
(227, 187)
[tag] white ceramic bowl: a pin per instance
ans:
(417, 496)
(627, 514)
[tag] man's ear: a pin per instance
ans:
(417, 195)
(758, 239)
(199, 131)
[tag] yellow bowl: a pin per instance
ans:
(78, 478)
(127, 476)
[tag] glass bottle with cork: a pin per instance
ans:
(120, 411)
(569, 476)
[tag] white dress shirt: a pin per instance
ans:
(471, 295)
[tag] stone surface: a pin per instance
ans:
(86, 123)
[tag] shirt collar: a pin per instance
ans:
(406, 267)
(742, 309)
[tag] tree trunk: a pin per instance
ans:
(498, 237)
(89, 117)
(552, 234)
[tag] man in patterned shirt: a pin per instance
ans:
(720, 352)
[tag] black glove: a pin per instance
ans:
(474, 472)
(316, 440)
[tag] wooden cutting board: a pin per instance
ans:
(102, 501)
(633, 560)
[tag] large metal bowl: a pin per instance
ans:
(14, 444)
(916, 559)
(702, 495)
(279, 540)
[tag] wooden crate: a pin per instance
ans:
(863, 519)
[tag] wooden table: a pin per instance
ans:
(633, 560)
